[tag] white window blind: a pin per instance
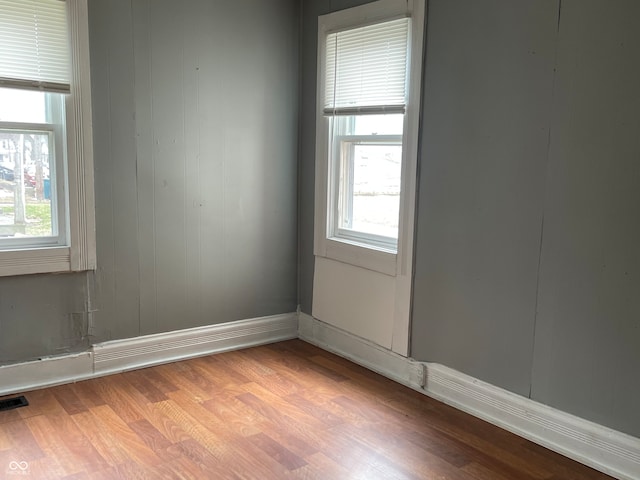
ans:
(34, 50)
(366, 69)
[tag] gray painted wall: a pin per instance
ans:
(43, 315)
(527, 261)
(587, 342)
(487, 104)
(195, 119)
(195, 107)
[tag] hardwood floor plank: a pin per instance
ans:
(245, 366)
(480, 472)
(158, 381)
(217, 372)
(68, 399)
(277, 451)
(325, 416)
(25, 445)
(211, 441)
(134, 471)
(360, 460)
(280, 385)
(84, 453)
(51, 444)
(291, 441)
(281, 411)
(322, 397)
(102, 440)
(107, 474)
(46, 468)
(181, 468)
(321, 467)
(184, 378)
(204, 416)
(195, 380)
(201, 457)
(150, 435)
(239, 417)
(86, 393)
(168, 427)
(275, 407)
(76, 476)
(9, 415)
(139, 381)
(113, 390)
(132, 446)
(41, 402)
(5, 442)
(251, 459)
(137, 408)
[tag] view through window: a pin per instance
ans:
(29, 124)
(369, 149)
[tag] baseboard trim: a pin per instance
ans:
(139, 352)
(46, 372)
(361, 351)
(604, 449)
(129, 354)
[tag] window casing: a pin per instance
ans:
(44, 63)
(366, 138)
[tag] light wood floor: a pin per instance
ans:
(287, 410)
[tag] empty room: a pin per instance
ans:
(320, 239)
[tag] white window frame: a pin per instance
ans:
(346, 234)
(79, 251)
(380, 258)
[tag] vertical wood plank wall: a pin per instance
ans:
(530, 156)
(196, 114)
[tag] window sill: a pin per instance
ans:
(364, 256)
(35, 260)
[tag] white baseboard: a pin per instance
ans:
(47, 372)
(131, 353)
(604, 449)
(361, 351)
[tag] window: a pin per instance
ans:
(46, 175)
(31, 211)
(368, 91)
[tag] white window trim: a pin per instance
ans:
(367, 256)
(80, 253)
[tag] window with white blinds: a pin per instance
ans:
(366, 69)
(47, 214)
(34, 46)
(369, 74)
